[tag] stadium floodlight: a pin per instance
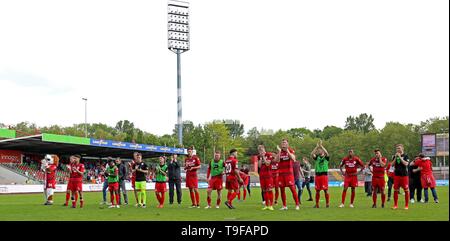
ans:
(178, 42)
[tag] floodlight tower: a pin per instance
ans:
(178, 42)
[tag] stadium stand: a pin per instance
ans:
(8, 176)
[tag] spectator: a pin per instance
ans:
(367, 181)
(306, 168)
(105, 182)
(298, 177)
(415, 185)
(123, 174)
(174, 179)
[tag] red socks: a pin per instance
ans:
(266, 198)
(197, 197)
(208, 199)
(67, 198)
(245, 193)
(406, 198)
(231, 197)
(344, 194)
(283, 196)
(218, 202)
(353, 197)
(374, 197)
(396, 198)
(239, 195)
(162, 198)
(192, 198)
(276, 194)
(317, 197)
(271, 198)
(74, 201)
(327, 197)
(294, 195)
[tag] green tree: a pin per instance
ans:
(362, 123)
(330, 131)
(235, 128)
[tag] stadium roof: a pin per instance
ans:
(66, 145)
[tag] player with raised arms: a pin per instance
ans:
(321, 158)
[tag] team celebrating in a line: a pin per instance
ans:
(276, 173)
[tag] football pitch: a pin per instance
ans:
(29, 207)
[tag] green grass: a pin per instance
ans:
(29, 207)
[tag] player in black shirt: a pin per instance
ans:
(400, 162)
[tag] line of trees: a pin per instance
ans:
(358, 133)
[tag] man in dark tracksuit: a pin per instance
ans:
(174, 179)
(123, 174)
(414, 183)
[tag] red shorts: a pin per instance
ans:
(275, 181)
(401, 182)
(75, 186)
(215, 183)
(378, 182)
(351, 181)
(427, 181)
(321, 182)
(114, 186)
(245, 181)
(191, 181)
(50, 184)
(160, 187)
(266, 183)
(232, 184)
(286, 181)
(133, 182)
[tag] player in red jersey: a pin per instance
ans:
(390, 181)
(426, 175)
(400, 162)
(49, 165)
(275, 174)
(378, 168)
(233, 178)
(351, 163)
(285, 158)
(243, 172)
(76, 180)
(265, 176)
(191, 165)
(68, 183)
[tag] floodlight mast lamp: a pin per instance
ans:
(178, 42)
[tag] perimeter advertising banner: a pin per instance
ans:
(442, 144)
(429, 144)
(136, 146)
(7, 156)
